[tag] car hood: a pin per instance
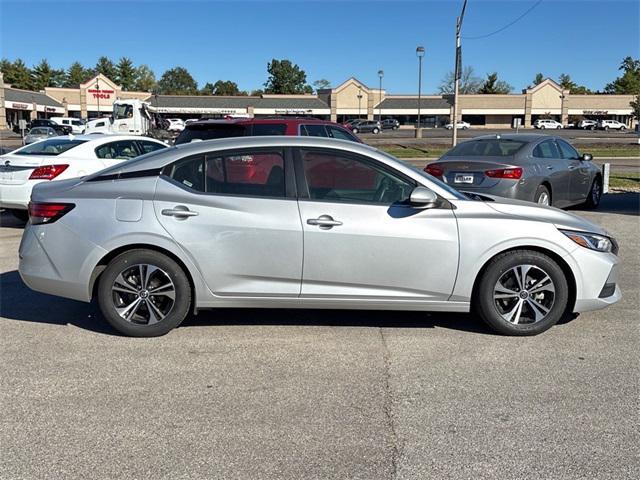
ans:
(532, 211)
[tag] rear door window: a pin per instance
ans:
(313, 130)
(148, 147)
(340, 134)
(123, 149)
(210, 132)
(547, 149)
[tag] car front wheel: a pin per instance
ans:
(375, 131)
(143, 293)
(522, 292)
(355, 130)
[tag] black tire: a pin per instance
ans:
(542, 127)
(375, 131)
(595, 194)
(355, 130)
(175, 312)
(622, 129)
(21, 215)
(606, 128)
(540, 191)
(487, 306)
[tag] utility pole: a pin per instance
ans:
(457, 75)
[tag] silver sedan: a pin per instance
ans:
(305, 222)
(538, 168)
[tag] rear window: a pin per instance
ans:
(50, 147)
(487, 148)
(210, 132)
(39, 131)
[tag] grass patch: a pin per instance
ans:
(624, 180)
(629, 151)
(414, 151)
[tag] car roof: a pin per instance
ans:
(525, 137)
(253, 121)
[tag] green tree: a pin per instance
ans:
(177, 81)
(321, 84)
(635, 107)
(225, 87)
(256, 93)
(469, 82)
(566, 83)
(77, 74)
(145, 79)
(16, 73)
(126, 74)
(43, 75)
(629, 82)
(207, 89)
(493, 85)
(537, 80)
(286, 78)
(106, 68)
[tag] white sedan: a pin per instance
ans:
(60, 158)
(459, 126)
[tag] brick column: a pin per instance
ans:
(333, 105)
(83, 103)
(34, 112)
(564, 113)
(527, 110)
(250, 111)
(370, 103)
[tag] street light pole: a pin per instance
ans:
(457, 74)
(380, 74)
(420, 54)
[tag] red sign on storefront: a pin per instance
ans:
(102, 94)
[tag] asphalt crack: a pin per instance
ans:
(388, 407)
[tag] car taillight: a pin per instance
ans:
(434, 170)
(511, 173)
(40, 213)
(48, 172)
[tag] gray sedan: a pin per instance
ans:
(39, 133)
(538, 168)
(305, 222)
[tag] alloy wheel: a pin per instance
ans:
(524, 294)
(543, 199)
(143, 294)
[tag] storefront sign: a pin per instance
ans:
(292, 111)
(20, 106)
(595, 112)
(101, 94)
(50, 109)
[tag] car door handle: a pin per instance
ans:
(179, 212)
(324, 221)
(572, 167)
(549, 167)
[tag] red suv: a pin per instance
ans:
(210, 129)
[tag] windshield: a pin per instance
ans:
(491, 147)
(53, 146)
(122, 111)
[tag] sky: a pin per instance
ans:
(333, 40)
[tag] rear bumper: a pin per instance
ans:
(56, 261)
(16, 196)
(515, 189)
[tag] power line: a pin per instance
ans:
(507, 25)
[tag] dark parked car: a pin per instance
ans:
(539, 168)
(310, 127)
(44, 122)
(366, 126)
(390, 124)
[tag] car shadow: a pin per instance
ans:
(626, 203)
(7, 220)
(19, 303)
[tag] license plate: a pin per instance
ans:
(463, 178)
(6, 176)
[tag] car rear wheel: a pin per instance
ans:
(622, 129)
(354, 130)
(522, 292)
(606, 128)
(542, 127)
(375, 131)
(143, 293)
(542, 196)
(595, 194)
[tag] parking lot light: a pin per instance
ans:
(380, 74)
(420, 54)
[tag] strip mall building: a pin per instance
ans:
(351, 99)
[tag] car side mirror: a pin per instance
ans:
(422, 197)
(587, 157)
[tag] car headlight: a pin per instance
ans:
(592, 241)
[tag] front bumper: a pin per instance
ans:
(596, 279)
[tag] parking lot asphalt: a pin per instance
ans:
(261, 394)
